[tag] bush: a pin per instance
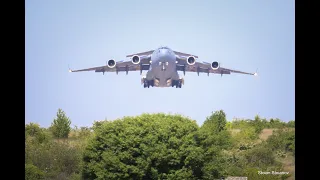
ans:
(33, 173)
(234, 163)
(40, 135)
(260, 156)
(32, 129)
(54, 158)
(84, 132)
(155, 146)
(246, 146)
(276, 123)
(282, 140)
(258, 124)
(216, 122)
(291, 124)
(246, 135)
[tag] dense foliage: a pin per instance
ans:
(282, 141)
(148, 146)
(158, 146)
(61, 125)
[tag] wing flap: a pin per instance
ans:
(236, 71)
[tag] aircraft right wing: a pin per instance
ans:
(184, 55)
(120, 66)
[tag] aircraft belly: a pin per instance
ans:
(163, 68)
(163, 75)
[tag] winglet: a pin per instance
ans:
(256, 73)
(69, 69)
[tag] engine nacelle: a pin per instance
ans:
(191, 60)
(111, 63)
(135, 59)
(215, 65)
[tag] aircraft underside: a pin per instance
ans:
(162, 78)
(153, 83)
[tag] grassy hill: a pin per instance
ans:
(287, 161)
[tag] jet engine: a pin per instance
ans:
(135, 59)
(215, 65)
(191, 60)
(111, 63)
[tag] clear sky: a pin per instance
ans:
(242, 35)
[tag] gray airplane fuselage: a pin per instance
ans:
(163, 67)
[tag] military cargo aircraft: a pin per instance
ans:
(162, 66)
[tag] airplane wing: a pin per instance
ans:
(120, 66)
(181, 54)
(204, 67)
(141, 54)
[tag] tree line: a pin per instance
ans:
(157, 146)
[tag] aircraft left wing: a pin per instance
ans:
(204, 67)
(146, 53)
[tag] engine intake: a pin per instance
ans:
(111, 63)
(215, 65)
(136, 59)
(191, 60)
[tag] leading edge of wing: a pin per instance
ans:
(184, 54)
(141, 53)
(240, 72)
(88, 69)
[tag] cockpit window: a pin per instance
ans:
(164, 47)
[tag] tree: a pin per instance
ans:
(54, 158)
(258, 124)
(32, 129)
(276, 123)
(260, 156)
(282, 140)
(266, 124)
(217, 121)
(61, 125)
(213, 138)
(156, 146)
(84, 132)
(40, 135)
(291, 124)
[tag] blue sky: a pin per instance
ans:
(242, 35)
